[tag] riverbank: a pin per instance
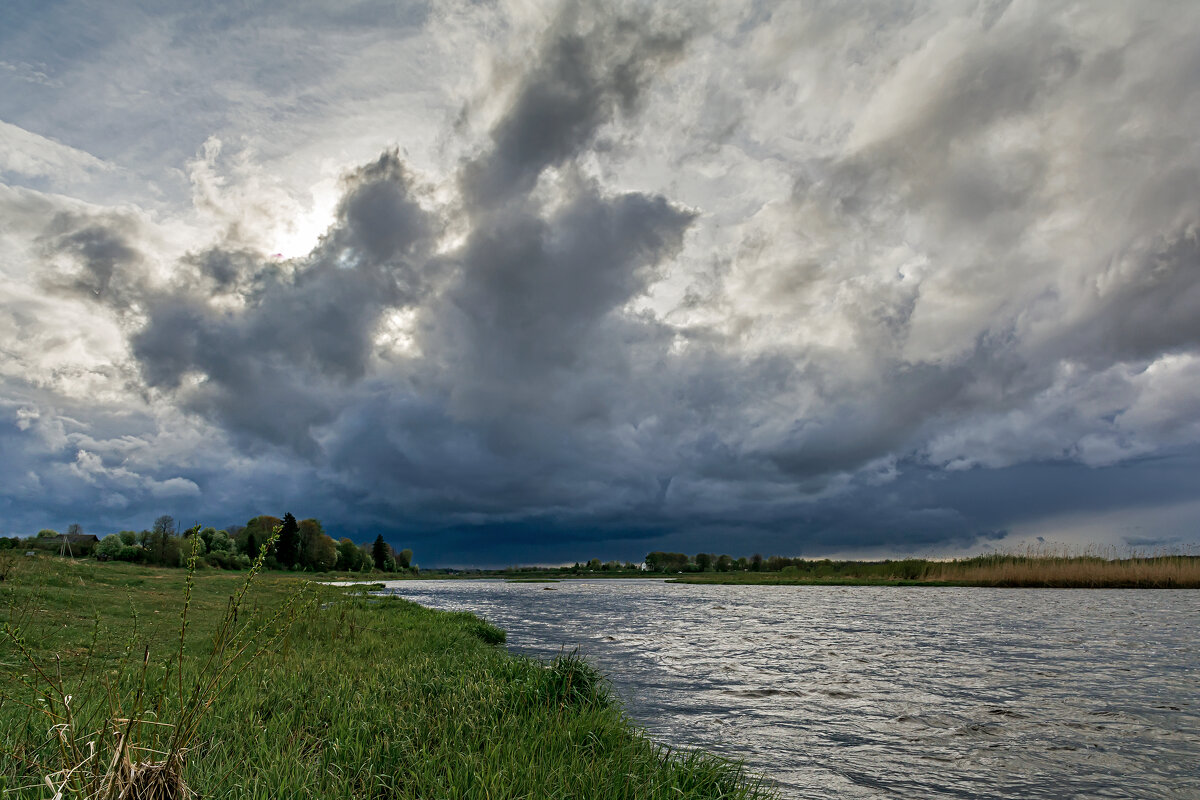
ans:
(1010, 693)
(358, 697)
(998, 571)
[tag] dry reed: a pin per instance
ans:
(1046, 565)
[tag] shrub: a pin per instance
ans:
(110, 547)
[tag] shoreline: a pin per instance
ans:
(768, 579)
(362, 696)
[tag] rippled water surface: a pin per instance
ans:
(855, 692)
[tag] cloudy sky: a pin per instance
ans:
(526, 281)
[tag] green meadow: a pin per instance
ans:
(158, 683)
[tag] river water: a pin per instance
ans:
(882, 692)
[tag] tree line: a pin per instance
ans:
(658, 561)
(302, 545)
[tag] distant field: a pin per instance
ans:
(360, 697)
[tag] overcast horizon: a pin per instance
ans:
(541, 281)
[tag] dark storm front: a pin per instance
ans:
(872, 692)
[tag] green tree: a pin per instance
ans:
(776, 563)
(349, 557)
(220, 542)
(261, 528)
(724, 563)
(311, 534)
(287, 549)
(380, 552)
(207, 535)
(161, 532)
(323, 553)
(704, 561)
(404, 558)
(110, 546)
(47, 533)
(659, 561)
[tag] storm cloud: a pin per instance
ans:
(797, 278)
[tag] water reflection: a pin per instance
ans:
(869, 692)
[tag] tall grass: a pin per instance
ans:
(1049, 565)
(117, 733)
(1040, 565)
(363, 697)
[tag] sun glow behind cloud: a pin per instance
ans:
(298, 234)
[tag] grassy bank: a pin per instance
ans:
(358, 697)
(1033, 570)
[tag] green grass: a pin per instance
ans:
(364, 697)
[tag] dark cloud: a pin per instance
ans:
(104, 263)
(590, 67)
(537, 305)
(278, 365)
(221, 269)
(1150, 305)
(520, 332)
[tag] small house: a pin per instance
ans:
(76, 544)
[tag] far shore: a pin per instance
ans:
(998, 571)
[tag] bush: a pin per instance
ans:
(110, 547)
(113, 547)
(228, 560)
(220, 541)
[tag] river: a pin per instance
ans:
(882, 692)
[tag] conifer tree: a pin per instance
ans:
(288, 548)
(379, 552)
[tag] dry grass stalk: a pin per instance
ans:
(127, 779)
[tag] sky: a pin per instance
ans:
(532, 282)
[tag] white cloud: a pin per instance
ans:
(174, 487)
(33, 156)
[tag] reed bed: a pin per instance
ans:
(1037, 566)
(1060, 567)
(356, 697)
